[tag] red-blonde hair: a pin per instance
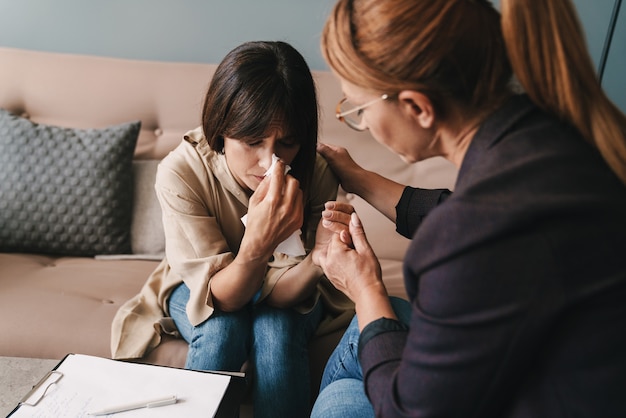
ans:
(548, 53)
(463, 52)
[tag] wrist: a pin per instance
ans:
(251, 252)
(372, 303)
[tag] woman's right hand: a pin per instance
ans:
(276, 210)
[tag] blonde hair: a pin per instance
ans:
(428, 46)
(547, 50)
(465, 52)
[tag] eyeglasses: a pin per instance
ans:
(355, 120)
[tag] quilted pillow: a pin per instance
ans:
(65, 191)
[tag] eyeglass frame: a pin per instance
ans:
(342, 115)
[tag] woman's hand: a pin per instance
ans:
(353, 269)
(356, 272)
(378, 191)
(350, 174)
(335, 220)
(276, 210)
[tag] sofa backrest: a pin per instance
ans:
(93, 92)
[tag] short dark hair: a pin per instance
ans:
(258, 83)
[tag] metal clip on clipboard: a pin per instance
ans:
(38, 391)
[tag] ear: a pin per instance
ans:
(419, 106)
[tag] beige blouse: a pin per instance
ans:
(202, 206)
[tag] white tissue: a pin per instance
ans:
(271, 169)
(292, 246)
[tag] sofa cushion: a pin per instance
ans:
(65, 191)
(147, 236)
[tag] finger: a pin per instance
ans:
(329, 152)
(358, 234)
(335, 217)
(323, 149)
(292, 189)
(339, 206)
(346, 238)
(261, 190)
(277, 178)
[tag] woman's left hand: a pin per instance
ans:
(335, 220)
(353, 269)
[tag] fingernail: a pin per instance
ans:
(354, 219)
(326, 214)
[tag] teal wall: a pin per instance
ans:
(168, 30)
(205, 30)
(615, 70)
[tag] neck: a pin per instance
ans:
(458, 135)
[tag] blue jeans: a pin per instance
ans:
(342, 393)
(275, 340)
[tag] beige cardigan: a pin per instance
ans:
(202, 207)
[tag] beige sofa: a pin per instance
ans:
(51, 305)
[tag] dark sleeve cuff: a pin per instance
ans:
(380, 326)
(414, 205)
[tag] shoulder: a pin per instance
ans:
(325, 183)
(185, 166)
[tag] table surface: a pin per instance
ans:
(18, 375)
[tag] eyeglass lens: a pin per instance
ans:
(353, 119)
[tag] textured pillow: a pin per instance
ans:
(65, 191)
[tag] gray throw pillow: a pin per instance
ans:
(65, 191)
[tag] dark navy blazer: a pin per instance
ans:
(517, 282)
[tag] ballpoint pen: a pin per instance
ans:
(154, 403)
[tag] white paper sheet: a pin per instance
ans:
(93, 383)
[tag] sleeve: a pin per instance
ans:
(195, 246)
(414, 205)
(475, 321)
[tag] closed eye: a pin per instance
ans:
(288, 141)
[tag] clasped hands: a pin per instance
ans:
(341, 247)
(343, 252)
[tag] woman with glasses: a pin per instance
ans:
(517, 280)
(242, 197)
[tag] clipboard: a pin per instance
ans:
(81, 383)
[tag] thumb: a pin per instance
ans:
(358, 234)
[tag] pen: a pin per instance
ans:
(154, 403)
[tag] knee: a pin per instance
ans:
(276, 333)
(343, 398)
(281, 324)
(226, 329)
